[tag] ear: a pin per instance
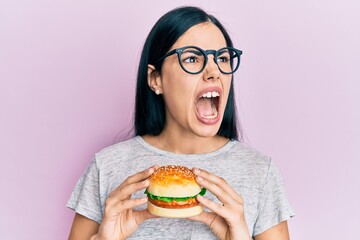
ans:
(154, 79)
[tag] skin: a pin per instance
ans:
(183, 134)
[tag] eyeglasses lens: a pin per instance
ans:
(227, 60)
(193, 60)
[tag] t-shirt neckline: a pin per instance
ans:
(197, 156)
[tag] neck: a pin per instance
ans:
(182, 143)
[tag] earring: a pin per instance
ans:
(157, 91)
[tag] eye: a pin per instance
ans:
(191, 55)
(190, 59)
(223, 56)
(223, 59)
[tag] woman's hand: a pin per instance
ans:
(120, 220)
(227, 221)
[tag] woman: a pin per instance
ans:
(185, 115)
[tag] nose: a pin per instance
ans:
(211, 71)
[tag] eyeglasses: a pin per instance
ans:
(193, 59)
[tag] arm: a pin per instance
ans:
(277, 232)
(83, 228)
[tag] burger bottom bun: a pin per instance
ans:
(174, 212)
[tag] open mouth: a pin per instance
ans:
(207, 105)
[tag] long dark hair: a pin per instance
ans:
(149, 107)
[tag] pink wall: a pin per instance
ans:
(67, 77)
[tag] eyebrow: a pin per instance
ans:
(224, 51)
(197, 52)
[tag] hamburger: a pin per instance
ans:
(172, 192)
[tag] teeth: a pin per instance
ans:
(211, 94)
(211, 117)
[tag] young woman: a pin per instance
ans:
(185, 115)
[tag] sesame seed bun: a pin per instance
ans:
(173, 181)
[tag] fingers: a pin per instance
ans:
(114, 206)
(119, 214)
(133, 183)
(204, 217)
(131, 203)
(143, 215)
(216, 223)
(232, 209)
(220, 193)
(217, 186)
(141, 175)
(125, 191)
(216, 208)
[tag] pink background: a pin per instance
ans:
(67, 75)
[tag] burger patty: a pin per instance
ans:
(175, 204)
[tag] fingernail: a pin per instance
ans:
(150, 170)
(196, 171)
(199, 197)
(146, 182)
(199, 178)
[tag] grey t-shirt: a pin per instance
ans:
(253, 175)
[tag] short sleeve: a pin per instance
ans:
(85, 199)
(274, 206)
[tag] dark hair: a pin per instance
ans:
(149, 107)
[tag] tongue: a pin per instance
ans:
(204, 107)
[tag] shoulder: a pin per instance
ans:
(251, 164)
(249, 155)
(118, 151)
(123, 145)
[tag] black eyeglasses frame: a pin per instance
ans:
(179, 51)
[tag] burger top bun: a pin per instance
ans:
(173, 181)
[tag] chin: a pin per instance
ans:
(207, 134)
(206, 131)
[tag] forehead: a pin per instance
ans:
(203, 35)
